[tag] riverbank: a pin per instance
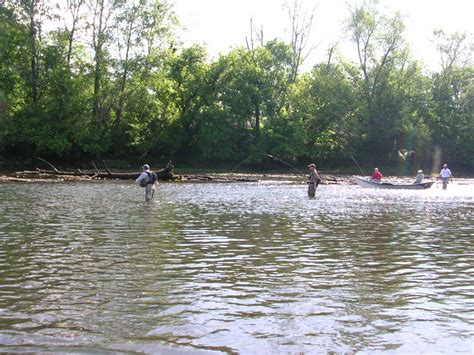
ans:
(327, 179)
(220, 171)
(200, 175)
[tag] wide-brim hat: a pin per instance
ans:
(312, 165)
(420, 171)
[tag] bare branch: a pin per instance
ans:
(47, 162)
(301, 23)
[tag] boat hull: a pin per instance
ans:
(365, 182)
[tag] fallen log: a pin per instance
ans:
(4, 178)
(214, 178)
(163, 174)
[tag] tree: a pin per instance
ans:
(138, 26)
(382, 52)
(324, 104)
(164, 109)
(32, 14)
(452, 94)
(101, 22)
(74, 8)
(251, 90)
(301, 23)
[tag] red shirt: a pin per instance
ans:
(377, 176)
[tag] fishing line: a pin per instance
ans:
(274, 158)
(284, 162)
(356, 163)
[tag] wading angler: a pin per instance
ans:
(147, 179)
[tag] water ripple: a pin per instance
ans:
(235, 268)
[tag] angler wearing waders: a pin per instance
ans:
(313, 181)
(147, 179)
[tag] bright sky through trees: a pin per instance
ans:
(224, 24)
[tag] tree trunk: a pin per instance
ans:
(34, 56)
(257, 122)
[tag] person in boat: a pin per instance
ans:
(377, 175)
(445, 175)
(313, 181)
(419, 177)
(147, 179)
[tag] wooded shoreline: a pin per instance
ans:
(139, 92)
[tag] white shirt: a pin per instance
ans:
(445, 173)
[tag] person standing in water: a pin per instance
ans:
(147, 179)
(313, 181)
(445, 175)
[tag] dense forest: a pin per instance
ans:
(85, 79)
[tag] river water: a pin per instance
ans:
(250, 268)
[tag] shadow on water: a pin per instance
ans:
(245, 268)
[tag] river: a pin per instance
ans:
(250, 268)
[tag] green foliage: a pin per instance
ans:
(452, 123)
(250, 89)
(323, 102)
(115, 82)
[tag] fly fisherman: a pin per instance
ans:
(313, 181)
(147, 179)
(446, 175)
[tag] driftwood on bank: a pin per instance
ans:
(217, 178)
(4, 178)
(164, 174)
(78, 174)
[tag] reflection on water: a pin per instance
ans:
(247, 268)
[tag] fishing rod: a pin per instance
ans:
(356, 163)
(284, 162)
(274, 158)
